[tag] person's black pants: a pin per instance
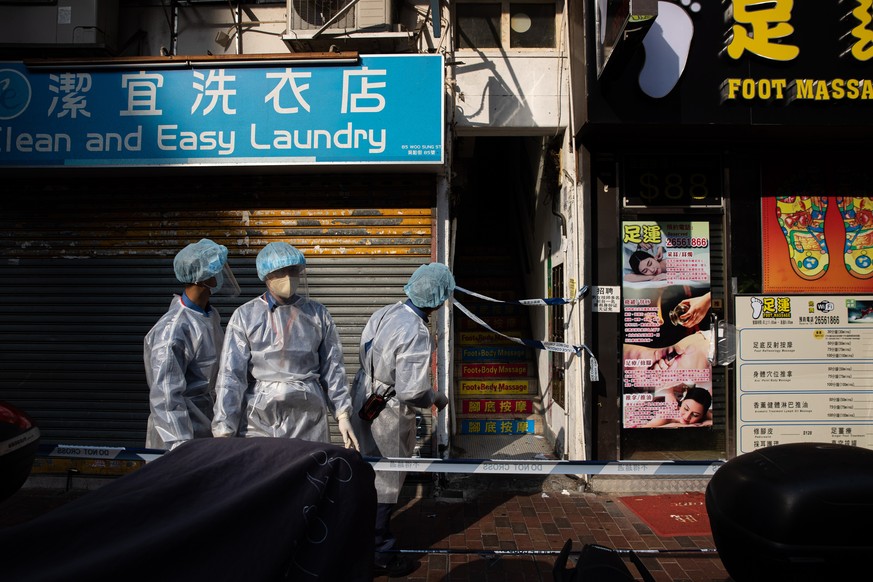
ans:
(385, 540)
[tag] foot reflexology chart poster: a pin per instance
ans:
(805, 345)
(804, 370)
(817, 243)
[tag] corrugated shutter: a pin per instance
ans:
(87, 270)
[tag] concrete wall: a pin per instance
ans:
(523, 94)
(197, 28)
(554, 243)
(261, 27)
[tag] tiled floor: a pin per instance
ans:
(496, 532)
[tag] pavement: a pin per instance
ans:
(488, 528)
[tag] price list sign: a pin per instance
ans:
(804, 370)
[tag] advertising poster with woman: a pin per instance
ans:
(666, 292)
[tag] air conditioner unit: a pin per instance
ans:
(363, 16)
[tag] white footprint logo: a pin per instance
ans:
(757, 307)
(666, 46)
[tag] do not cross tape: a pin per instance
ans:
(544, 467)
(469, 466)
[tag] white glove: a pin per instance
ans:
(345, 428)
(440, 400)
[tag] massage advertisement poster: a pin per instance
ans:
(666, 306)
(817, 233)
(804, 370)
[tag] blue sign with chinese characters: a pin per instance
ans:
(386, 109)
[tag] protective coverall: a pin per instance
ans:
(181, 354)
(281, 371)
(395, 351)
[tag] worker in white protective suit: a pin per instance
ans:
(395, 356)
(282, 364)
(181, 352)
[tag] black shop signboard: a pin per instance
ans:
(738, 62)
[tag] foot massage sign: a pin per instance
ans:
(817, 243)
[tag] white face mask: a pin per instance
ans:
(283, 287)
(225, 283)
(219, 281)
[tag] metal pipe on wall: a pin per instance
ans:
(444, 322)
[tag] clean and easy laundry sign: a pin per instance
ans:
(385, 109)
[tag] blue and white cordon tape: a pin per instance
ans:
(583, 291)
(424, 465)
(594, 371)
(19, 441)
(545, 467)
(98, 452)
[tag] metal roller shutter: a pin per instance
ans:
(87, 270)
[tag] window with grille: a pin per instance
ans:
(505, 25)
